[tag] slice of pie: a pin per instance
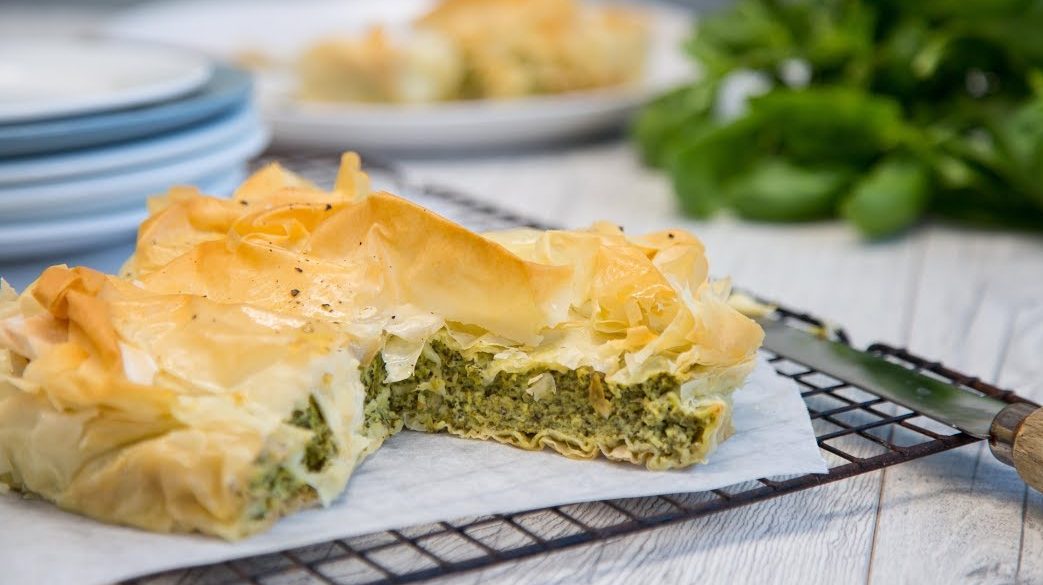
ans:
(587, 342)
(481, 49)
(172, 412)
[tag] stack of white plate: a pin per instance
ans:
(89, 129)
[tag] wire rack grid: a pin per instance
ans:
(858, 432)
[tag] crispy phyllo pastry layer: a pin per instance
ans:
(254, 349)
(172, 412)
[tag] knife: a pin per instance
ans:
(1014, 430)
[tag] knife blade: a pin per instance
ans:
(1014, 430)
(969, 412)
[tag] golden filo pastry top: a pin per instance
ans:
(171, 412)
(589, 342)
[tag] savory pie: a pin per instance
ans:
(323, 322)
(172, 412)
(467, 49)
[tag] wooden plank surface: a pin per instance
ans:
(970, 298)
(980, 308)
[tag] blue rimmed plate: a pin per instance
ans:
(43, 78)
(126, 156)
(40, 201)
(227, 89)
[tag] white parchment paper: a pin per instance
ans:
(415, 478)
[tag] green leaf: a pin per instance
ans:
(840, 43)
(705, 164)
(751, 35)
(827, 126)
(662, 127)
(891, 198)
(1020, 135)
(697, 184)
(777, 190)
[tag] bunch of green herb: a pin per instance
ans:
(877, 110)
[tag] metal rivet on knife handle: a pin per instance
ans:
(1005, 428)
(1016, 438)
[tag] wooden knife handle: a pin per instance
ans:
(1028, 450)
(1016, 438)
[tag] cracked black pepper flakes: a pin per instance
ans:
(294, 292)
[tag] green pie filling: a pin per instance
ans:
(275, 491)
(583, 415)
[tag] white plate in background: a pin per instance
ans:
(227, 28)
(40, 239)
(44, 78)
(122, 188)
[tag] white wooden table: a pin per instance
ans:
(973, 299)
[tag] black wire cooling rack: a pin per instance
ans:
(858, 432)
